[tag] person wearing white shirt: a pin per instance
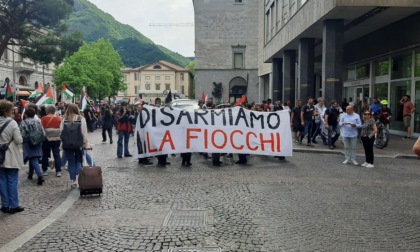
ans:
(349, 123)
(319, 117)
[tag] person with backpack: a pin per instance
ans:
(33, 135)
(124, 130)
(10, 139)
(107, 123)
(52, 142)
(74, 138)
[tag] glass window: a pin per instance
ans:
(147, 77)
(350, 74)
(136, 89)
(125, 77)
(401, 67)
(157, 67)
(167, 86)
(416, 103)
(238, 60)
(167, 77)
(362, 72)
(147, 86)
(381, 91)
(157, 77)
(182, 90)
(417, 70)
(398, 90)
(157, 86)
(182, 76)
(381, 67)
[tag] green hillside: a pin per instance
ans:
(134, 47)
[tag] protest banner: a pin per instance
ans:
(231, 130)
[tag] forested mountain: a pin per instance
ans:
(134, 48)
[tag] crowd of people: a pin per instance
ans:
(49, 140)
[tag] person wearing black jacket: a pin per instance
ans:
(124, 130)
(107, 123)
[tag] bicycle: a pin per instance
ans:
(381, 136)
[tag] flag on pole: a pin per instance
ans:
(46, 98)
(168, 97)
(9, 92)
(67, 92)
(240, 101)
(84, 101)
(24, 103)
(203, 97)
(39, 91)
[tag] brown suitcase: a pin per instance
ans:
(90, 180)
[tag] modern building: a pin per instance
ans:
(23, 74)
(341, 49)
(155, 81)
(226, 48)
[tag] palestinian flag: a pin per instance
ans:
(46, 98)
(39, 91)
(9, 92)
(69, 94)
(84, 102)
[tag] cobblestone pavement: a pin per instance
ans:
(311, 202)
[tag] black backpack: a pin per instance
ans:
(71, 135)
(36, 137)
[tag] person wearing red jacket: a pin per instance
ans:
(124, 129)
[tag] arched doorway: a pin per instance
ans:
(22, 80)
(237, 87)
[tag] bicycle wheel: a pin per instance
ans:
(382, 136)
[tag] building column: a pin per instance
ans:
(306, 68)
(332, 60)
(289, 76)
(260, 88)
(277, 80)
(270, 86)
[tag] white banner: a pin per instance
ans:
(230, 130)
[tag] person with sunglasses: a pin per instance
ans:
(369, 130)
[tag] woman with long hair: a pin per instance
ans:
(9, 169)
(369, 130)
(74, 156)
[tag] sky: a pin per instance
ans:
(140, 13)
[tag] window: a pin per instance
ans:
(167, 77)
(350, 74)
(362, 72)
(238, 60)
(167, 86)
(136, 76)
(182, 76)
(157, 67)
(182, 90)
(147, 86)
(401, 67)
(381, 67)
(417, 67)
(125, 77)
(238, 1)
(136, 89)
(147, 77)
(157, 86)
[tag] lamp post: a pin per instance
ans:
(14, 71)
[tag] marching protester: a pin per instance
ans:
(369, 130)
(33, 135)
(124, 130)
(306, 118)
(350, 122)
(52, 142)
(331, 124)
(10, 139)
(107, 124)
(295, 121)
(319, 117)
(74, 140)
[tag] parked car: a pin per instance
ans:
(185, 104)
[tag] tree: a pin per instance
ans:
(36, 27)
(217, 90)
(97, 66)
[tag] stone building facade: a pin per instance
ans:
(226, 48)
(155, 80)
(26, 72)
(337, 49)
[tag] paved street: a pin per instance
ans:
(311, 202)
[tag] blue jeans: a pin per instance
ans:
(126, 137)
(331, 129)
(88, 158)
(308, 131)
(9, 187)
(75, 162)
(350, 147)
(34, 165)
(317, 126)
(47, 147)
(63, 159)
